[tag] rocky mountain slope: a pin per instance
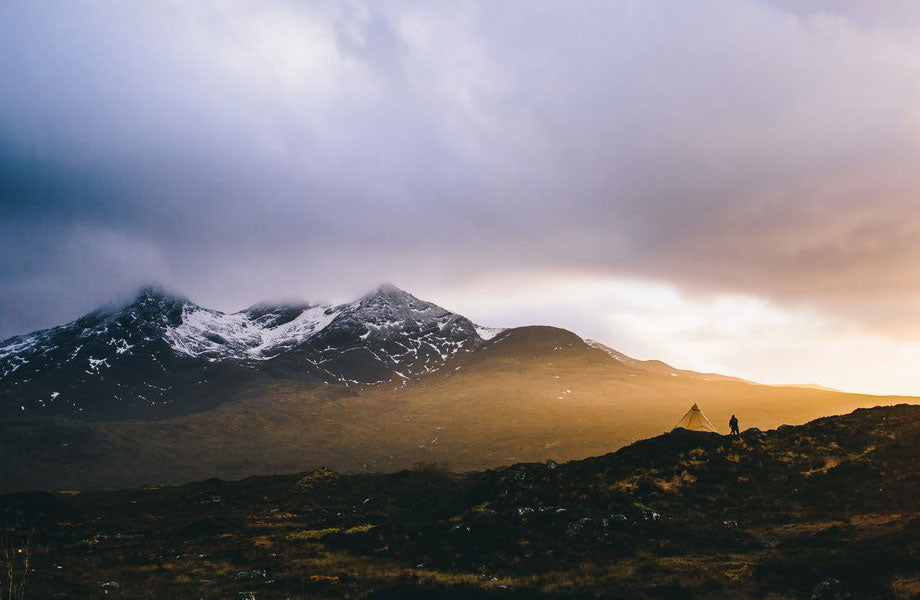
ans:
(827, 510)
(163, 355)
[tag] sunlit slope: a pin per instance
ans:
(530, 394)
(539, 393)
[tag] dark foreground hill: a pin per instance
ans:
(830, 509)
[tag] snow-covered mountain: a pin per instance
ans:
(386, 316)
(163, 355)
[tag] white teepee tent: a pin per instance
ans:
(695, 420)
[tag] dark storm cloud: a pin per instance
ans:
(244, 151)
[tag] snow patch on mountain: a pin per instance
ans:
(19, 344)
(615, 354)
(386, 315)
(243, 335)
(487, 333)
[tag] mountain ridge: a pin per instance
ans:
(389, 382)
(131, 360)
(383, 335)
(509, 402)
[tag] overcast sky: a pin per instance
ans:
(729, 186)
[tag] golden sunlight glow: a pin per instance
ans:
(733, 334)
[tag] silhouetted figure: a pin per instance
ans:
(733, 425)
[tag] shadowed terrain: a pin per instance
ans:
(830, 509)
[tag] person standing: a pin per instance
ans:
(733, 425)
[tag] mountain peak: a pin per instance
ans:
(154, 293)
(386, 289)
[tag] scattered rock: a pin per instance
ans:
(616, 519)
(647, 513)
(320, 475)
(460, 528)
(831, 589)
(579, 526)
(551, 464)
(249, 575)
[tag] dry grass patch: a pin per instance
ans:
(675, 482)
(359, 529)
(829, 463)
(906, 586)
(315, 534)
(625, 485)
(311, 534)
